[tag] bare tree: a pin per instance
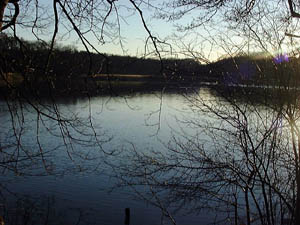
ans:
(242, 155)
(2, 9)
(28, 75)
(245, 157)
(233, 155)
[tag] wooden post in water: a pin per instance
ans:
(127, 216)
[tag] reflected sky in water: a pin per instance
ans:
(84, 187)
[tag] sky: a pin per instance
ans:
(203, 42)
(132, 32)
(131, 29)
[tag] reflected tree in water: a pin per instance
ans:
(41, 210)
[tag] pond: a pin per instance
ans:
(67, 167)
(68, 187)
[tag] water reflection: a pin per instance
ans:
(144, 152)
(74, 171)
(233, 157)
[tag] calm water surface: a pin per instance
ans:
(74, 190)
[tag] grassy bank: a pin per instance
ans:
(10, 79)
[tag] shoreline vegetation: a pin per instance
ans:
(29, 69)
(96, 84)
(118, 84)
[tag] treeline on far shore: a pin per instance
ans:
(67, 61)
(64, 66)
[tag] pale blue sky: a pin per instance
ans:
(205, 42)
(132, 31)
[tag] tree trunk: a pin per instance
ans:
(297, 210)
(3, 4)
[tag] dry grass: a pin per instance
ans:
(13, 79)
